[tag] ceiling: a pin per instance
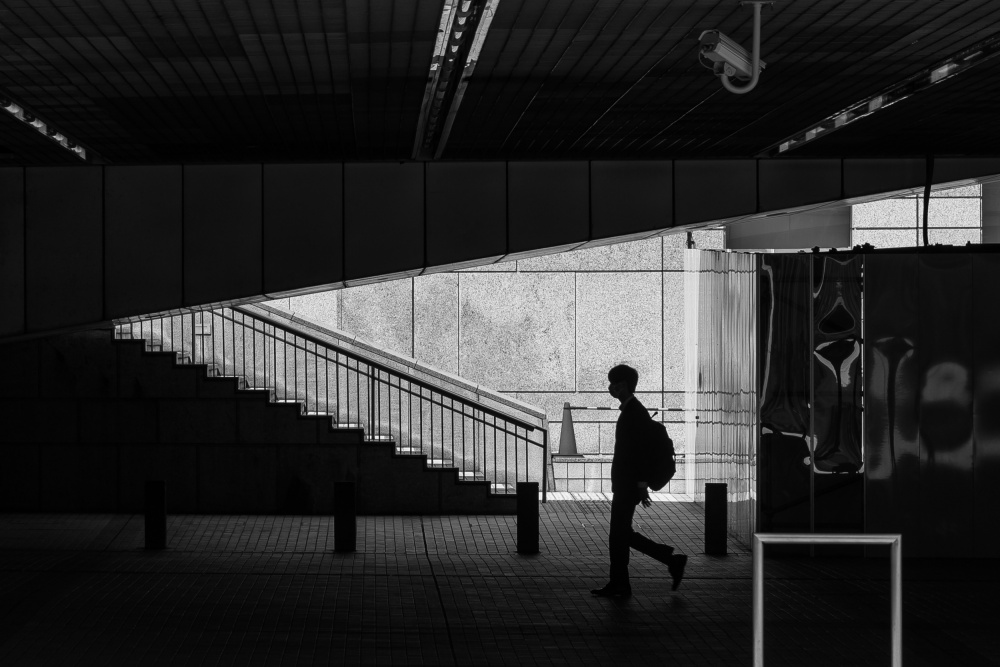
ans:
(138, 81)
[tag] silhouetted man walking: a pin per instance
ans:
(628, 488)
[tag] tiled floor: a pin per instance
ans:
(241, 590)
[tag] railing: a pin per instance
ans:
(425, 412)
(895, 542)
(595, 474)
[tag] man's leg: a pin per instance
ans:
(660, 552)
(663, 553)
(622, 508)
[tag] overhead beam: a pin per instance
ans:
(84, 245)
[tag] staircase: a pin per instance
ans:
(427, 441)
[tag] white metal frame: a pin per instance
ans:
(895, 542)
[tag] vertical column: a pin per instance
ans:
(991, 212)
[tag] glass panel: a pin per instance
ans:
(955, 236)
(954, 212)
(885, 213)
(724, 381)
(967, 191)
(885, 238)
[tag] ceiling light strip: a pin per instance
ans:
(18, 111)
(422, 139)
(461, 34)
(964, 61)
(482, 29)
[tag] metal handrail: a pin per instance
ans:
(415, 368)
(895, 542)
(264, 353)
(276, 322)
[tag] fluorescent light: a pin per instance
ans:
(943, 71)
(46, 129)
(956, 64)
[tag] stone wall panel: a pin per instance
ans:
(618, 321)
(515, 330)
(381, 314)
(435, 320)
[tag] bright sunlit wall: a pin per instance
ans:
(955, 217)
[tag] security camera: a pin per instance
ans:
(726, 56)
(727, 59)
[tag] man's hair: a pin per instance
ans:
(623, 373)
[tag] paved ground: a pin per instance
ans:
(241, 590)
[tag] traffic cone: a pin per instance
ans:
(567, 438)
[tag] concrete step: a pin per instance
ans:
(467, 481)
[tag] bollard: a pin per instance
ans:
(345, 520)
(156, 514)
(527, 517)
(716, 526)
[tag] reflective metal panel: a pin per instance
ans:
(784, 392)
(837, 363)
(892, 487)
(945, 398)
(986, 404)
(784, 341)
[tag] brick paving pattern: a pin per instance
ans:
(451, 590)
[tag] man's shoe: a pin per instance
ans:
(676, 568)
(663, 553)
(611, 591)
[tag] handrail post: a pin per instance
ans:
(896, 555)
(758, 602)
(545, 463)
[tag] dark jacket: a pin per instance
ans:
(626, 466)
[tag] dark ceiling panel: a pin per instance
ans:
(230, 80)
(639, 91)
(954, 117)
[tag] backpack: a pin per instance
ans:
(660, 465)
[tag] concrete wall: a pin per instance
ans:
(544, 330)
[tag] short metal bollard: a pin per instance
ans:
(716, 527)
(345, 517)
(156, 514)
(527, 517)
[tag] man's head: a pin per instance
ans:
(622, 381)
